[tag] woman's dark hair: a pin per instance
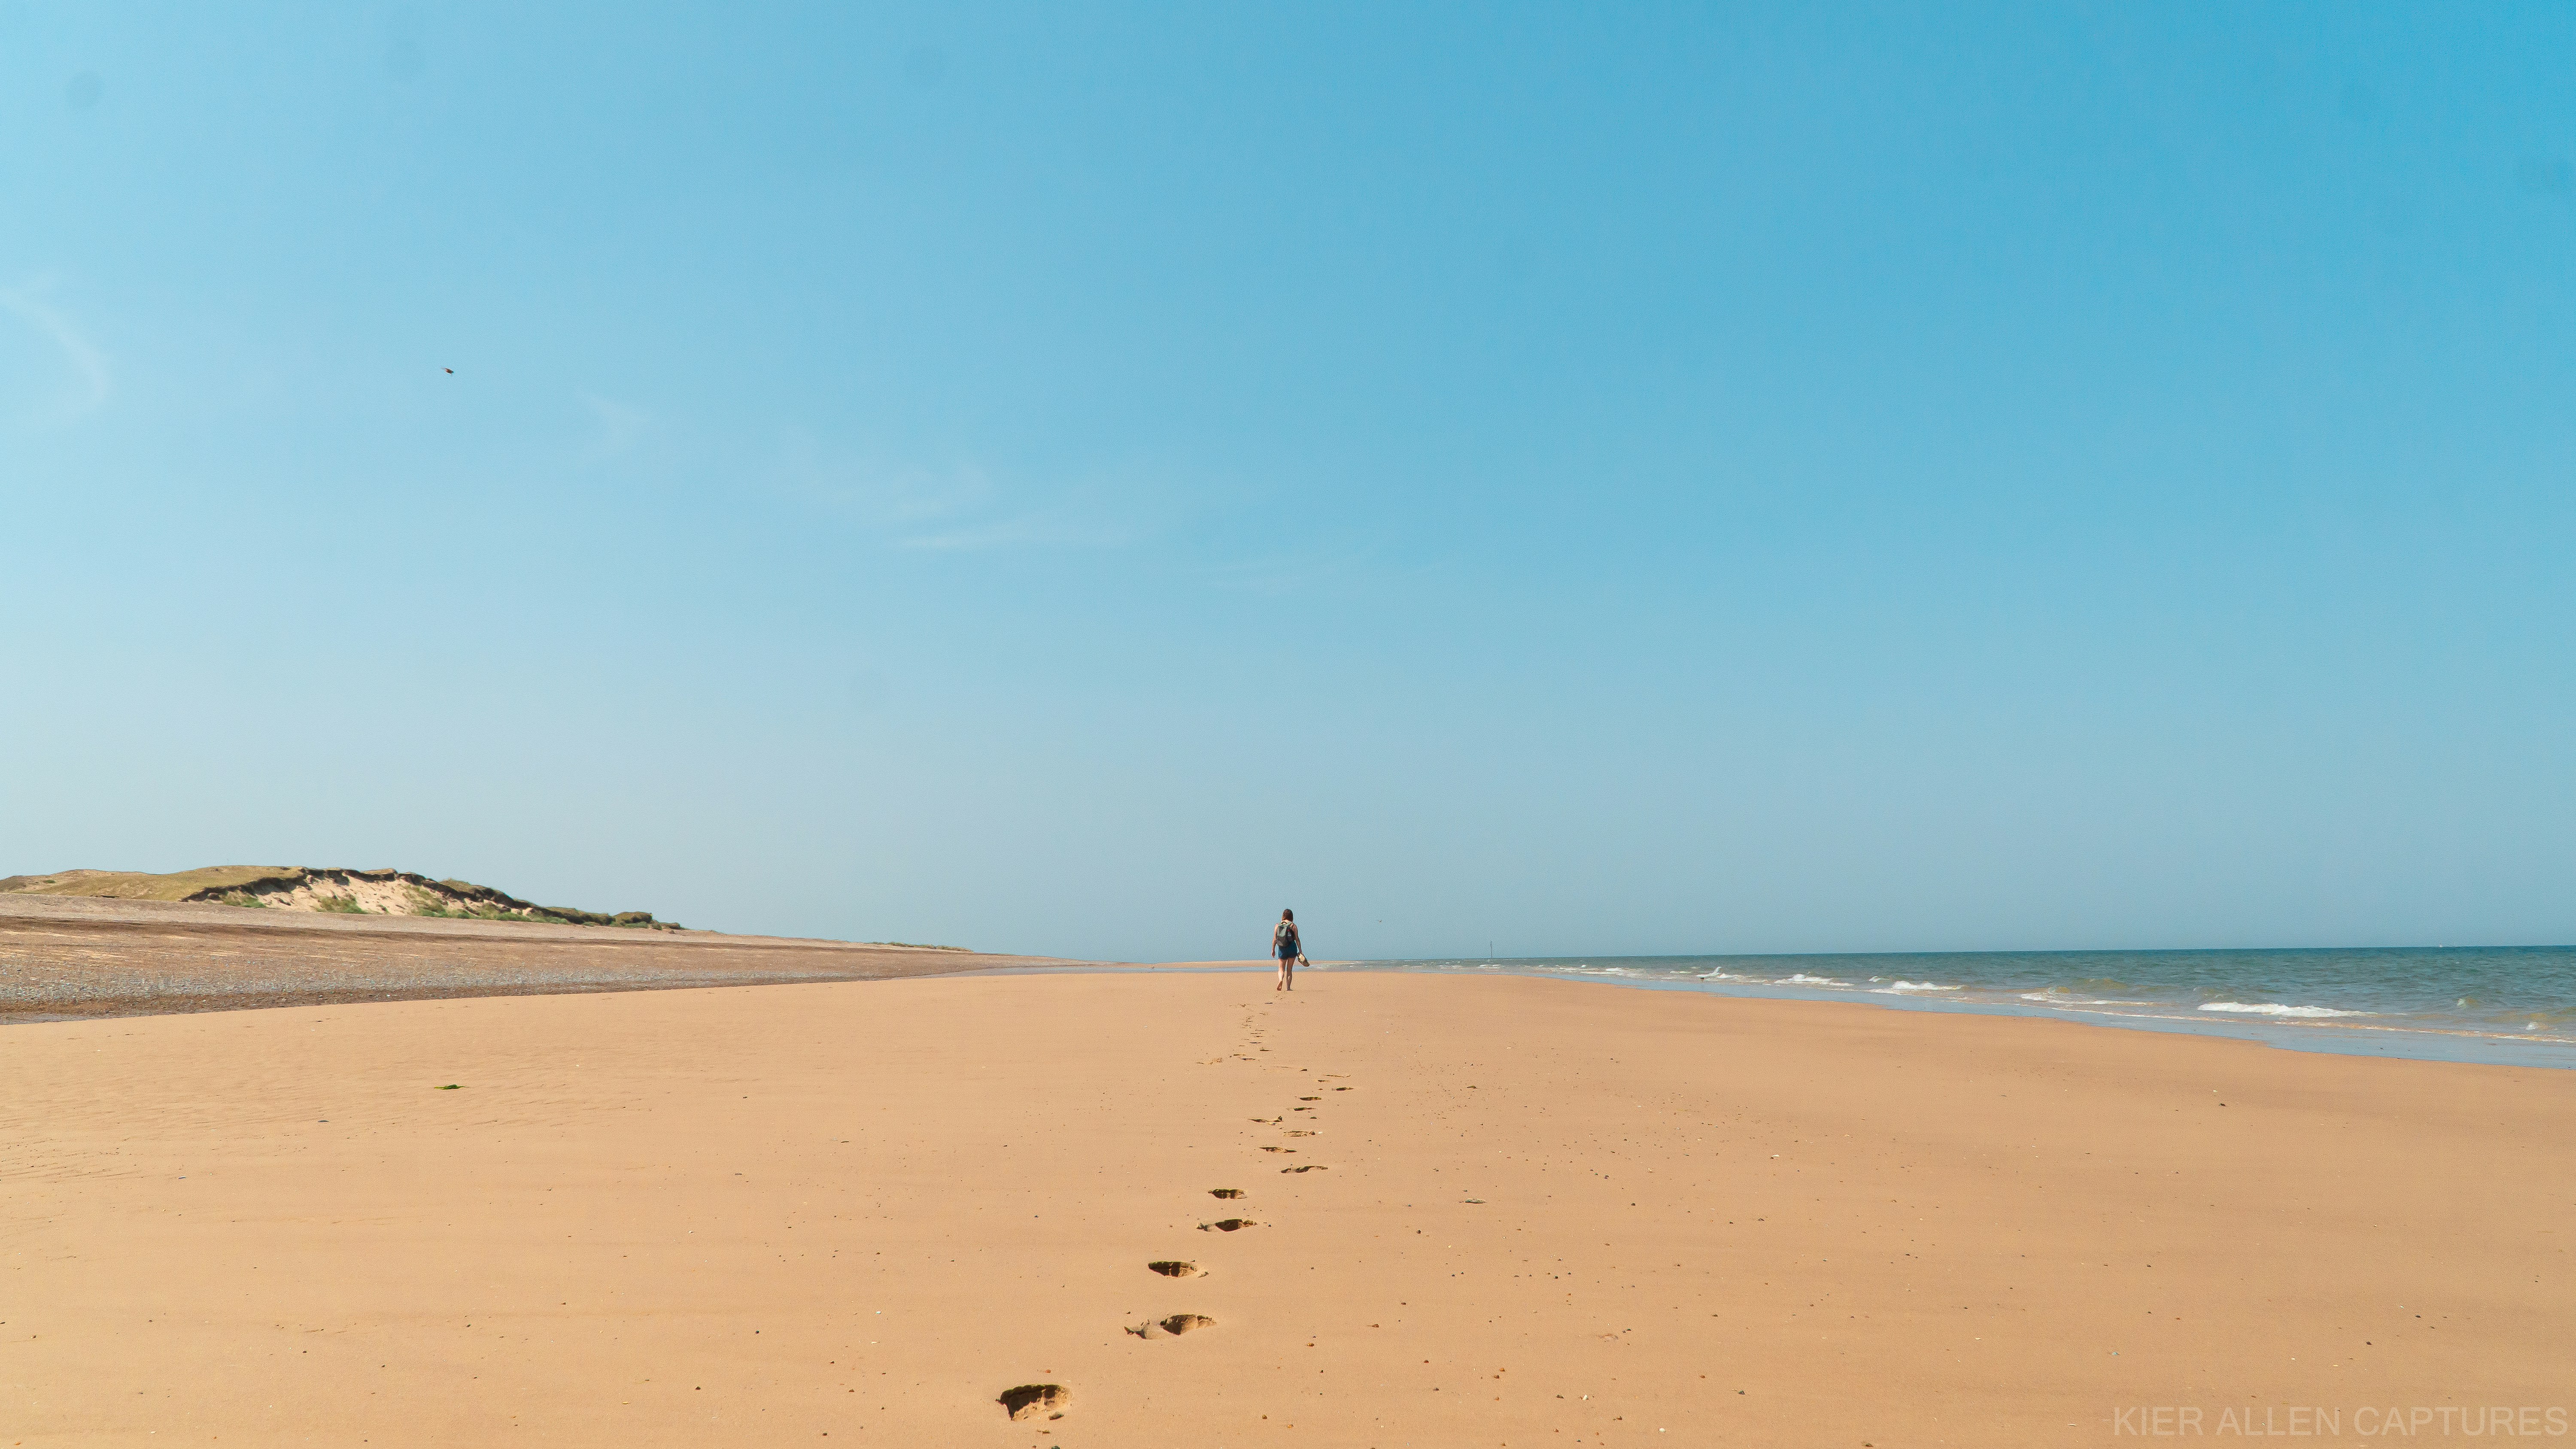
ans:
(1287, 915)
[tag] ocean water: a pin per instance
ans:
(2511, 1004)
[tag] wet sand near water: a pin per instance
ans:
(68, 956)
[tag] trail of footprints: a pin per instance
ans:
(1050, 1401)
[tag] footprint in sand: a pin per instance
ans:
(1293, 1132)
(1174, 1326)
(1228, 1225)
(1033, 1401)
(1176, 1268)
(1225, 1192)
(1278, 1149)
(1308, 1167)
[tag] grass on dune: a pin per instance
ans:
(135, 885)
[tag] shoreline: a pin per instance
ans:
(2394, 1043)
(327, 959)
(2331, 1038)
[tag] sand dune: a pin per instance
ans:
(334, 889)
(1453, 1211)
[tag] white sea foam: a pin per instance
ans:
(2052, 996)
(1904, 985)
(1801, 978)
(2274, 1008)
(1731, 976)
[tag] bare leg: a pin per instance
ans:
(1282, 983)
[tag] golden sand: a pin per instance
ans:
(1471, 1211)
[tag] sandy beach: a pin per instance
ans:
(1477, 1211)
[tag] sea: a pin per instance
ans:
(2512, 1005)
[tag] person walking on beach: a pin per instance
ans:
(1285, 945)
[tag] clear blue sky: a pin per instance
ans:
(1080, 478)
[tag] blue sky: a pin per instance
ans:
(1077, 479)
